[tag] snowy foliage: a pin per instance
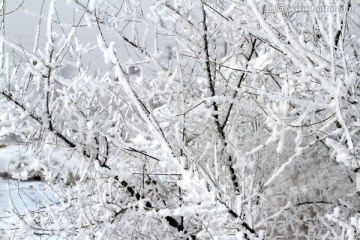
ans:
(246, 127)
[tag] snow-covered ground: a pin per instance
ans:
(8, 156)
(23, 195)
(13, 192)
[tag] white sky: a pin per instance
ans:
(20, 26)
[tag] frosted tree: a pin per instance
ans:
(186, 140)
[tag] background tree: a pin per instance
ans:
(261, 143)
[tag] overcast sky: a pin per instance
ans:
(21, 25)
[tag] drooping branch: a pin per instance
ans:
(150, 206)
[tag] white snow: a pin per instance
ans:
(23, 196)
(11, 191)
